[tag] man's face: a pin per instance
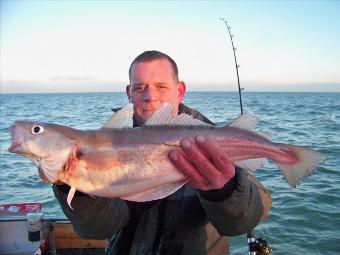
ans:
(153, 83)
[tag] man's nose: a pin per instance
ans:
(150, 94)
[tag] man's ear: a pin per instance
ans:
(127, 91)
(181, 88)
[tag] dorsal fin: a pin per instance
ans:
(264, 134)
(163, 116)
(122, 118)
(246, 121)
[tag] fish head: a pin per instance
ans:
(43, 145)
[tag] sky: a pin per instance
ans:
(87, 46)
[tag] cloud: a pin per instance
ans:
(73, 79)
(61, 86)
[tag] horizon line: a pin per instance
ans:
(188, 91)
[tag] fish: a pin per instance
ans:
(119, 161)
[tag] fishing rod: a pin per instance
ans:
(236, 65)
(257, 246)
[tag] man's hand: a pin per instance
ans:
(203, 162)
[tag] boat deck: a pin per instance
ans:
(59, 238)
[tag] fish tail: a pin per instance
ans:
(308, 161)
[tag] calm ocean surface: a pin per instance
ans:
(305, 220)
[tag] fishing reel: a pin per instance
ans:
(260, 247)
(257, 246)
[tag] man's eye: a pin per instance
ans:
(138, 88)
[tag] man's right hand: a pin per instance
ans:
(203, 163)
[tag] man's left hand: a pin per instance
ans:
(203, 162)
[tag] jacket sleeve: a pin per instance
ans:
(93, 218)
(247, 205)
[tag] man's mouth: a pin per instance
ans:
(148, 111)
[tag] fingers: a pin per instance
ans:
(219, 159)
(195, 179)
(203, 162)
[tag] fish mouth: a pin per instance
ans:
(15, 148)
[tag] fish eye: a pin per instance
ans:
(37, 129)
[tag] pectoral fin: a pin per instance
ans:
(70, 196)
(100, 161)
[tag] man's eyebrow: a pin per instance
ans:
(138, 84)
(143, 84)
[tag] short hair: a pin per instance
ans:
(148, 56)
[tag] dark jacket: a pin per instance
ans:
(186, 222)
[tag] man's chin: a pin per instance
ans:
(147, 116)
(142, 119)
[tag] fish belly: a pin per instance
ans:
(139, 174)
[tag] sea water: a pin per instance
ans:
(305, 220)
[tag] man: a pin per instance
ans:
(218, 200)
